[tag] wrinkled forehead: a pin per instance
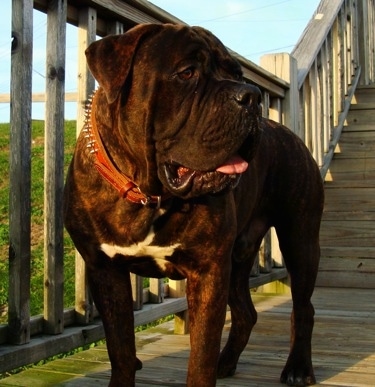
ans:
(176, 42)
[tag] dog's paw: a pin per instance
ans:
(225, 372)
(297, 377)
(138, 365)
(226, 366)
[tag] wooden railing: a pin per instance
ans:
(308, 91)
(334, 54)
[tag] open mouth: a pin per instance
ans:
(183, 180)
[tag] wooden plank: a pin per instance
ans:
(41, 97)
(347, 233)
(357, 252)
(344, 165)
(20, 172)
(363, 117)
(355, 154)
(312, 38)
(367, 106)
(353, 215)
(349, 264)
(345, 279)
(365, 95)
(156, 294)
(364, 141)
(340, 124)
(326, 95)
(86, 85)
(137, 291)
(54, 169)
(351, 179)
(284, 66)
(353, 199)
(340, 357)
(42, 347)
(359, 183)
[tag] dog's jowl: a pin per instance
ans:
(176, 174)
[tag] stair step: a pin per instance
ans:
(364, 94)
(362, 106)
(361, 117)
(358, 140)
(357, 252)
(347, 233)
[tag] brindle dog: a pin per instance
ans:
(177, 174)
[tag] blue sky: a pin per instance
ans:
(249, 27)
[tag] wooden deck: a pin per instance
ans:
(343, 348)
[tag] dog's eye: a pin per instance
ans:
(238, 77)
(187, 74)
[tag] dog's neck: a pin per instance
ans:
(106, 168)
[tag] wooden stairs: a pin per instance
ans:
(348, 227)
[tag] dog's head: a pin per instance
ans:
(186, 119)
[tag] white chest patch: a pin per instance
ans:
(141, 249)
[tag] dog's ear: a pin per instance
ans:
(110, 59)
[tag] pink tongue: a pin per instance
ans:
(234, 164)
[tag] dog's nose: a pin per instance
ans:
(248, 95)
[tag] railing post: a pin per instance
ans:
(363, 41)
(181, 319)
(284, 66)
(20, 172)
(86, 85)
(54, 169)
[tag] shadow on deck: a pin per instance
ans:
(343, 348)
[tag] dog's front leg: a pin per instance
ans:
(111, 290)
(207, 295)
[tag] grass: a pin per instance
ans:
(37, 228)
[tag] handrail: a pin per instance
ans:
(312, 39)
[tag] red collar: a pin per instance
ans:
(126, 188)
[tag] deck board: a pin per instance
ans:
(343, 348)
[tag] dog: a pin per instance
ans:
(176, 174)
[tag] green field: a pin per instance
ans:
(36, 302)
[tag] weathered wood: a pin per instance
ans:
(20, 172)
(86, 85)
(314, 35)
(365, 165)
(347, 233)
(315, 119)
(361, 116)
(156, 294)
(178, 289)
(364, 94)
(40, 97)
(54, 168)
(137, 290)
(338, 129)
(284, 66)
(356, 252)
(265, 254)
(363, 47)
(326, 93)
(340, 358)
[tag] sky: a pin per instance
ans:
(251, 28)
